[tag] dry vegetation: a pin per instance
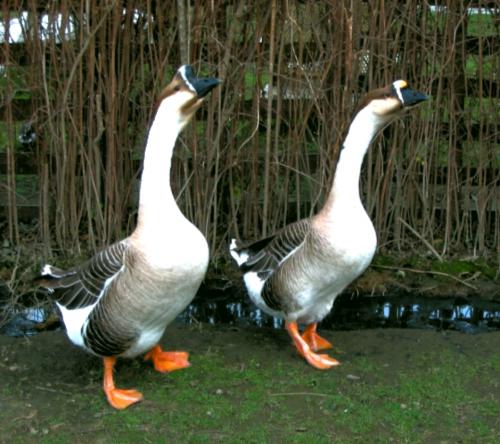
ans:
(85, 75)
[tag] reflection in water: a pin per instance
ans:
(348, 313)
(231, 306)
(470, 316)
(25, 322)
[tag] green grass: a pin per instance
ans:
(416, 393)
(217, 402)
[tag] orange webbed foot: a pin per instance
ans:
(164, 361)
(121, 399)
(118, 398)
(321, 362)
(315, 341)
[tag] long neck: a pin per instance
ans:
(345, 187)
(157, 205)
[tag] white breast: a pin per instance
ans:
(181, 248)
(351, 237)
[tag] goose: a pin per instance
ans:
(119, 302)
(297, 273)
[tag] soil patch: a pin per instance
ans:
(249, 385)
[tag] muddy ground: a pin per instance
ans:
(248, 385)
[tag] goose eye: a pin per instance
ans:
(177, 88)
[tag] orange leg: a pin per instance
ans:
(315, 341)
(322, 362)
(167, 361)
(119, 399)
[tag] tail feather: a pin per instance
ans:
(52, 277)
(50, 270)
(252, 251)
(240, 255)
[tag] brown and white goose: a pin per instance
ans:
(119, 303)
(297, 273)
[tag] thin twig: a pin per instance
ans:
(48, 389)
(324, 395)
(84, 47)
(424, 241)
(437, 273)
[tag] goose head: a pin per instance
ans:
(184, 95)
(388, 103)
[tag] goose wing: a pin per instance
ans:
(266, 255)
(82, 286)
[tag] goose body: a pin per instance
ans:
(119, 303)
(297, 273)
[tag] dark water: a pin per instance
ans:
(361, 312)
(22, 322)
(230, 306)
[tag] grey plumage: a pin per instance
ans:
(297, 273)
(81, 286)
(267, 255)
(84, 286)
(119, 303)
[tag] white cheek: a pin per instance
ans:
(400, 95)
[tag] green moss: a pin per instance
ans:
(387, 260)
(455, 267)
(466, 268)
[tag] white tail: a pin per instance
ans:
(239, 256)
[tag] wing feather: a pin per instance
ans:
(82, 286)
(266, 255)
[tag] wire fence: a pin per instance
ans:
(79, 78)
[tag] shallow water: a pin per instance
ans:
(361, 312)
(230, 306)
(24, 322)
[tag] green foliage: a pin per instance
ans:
(482, 25)
(478, 25)
(13, 81)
